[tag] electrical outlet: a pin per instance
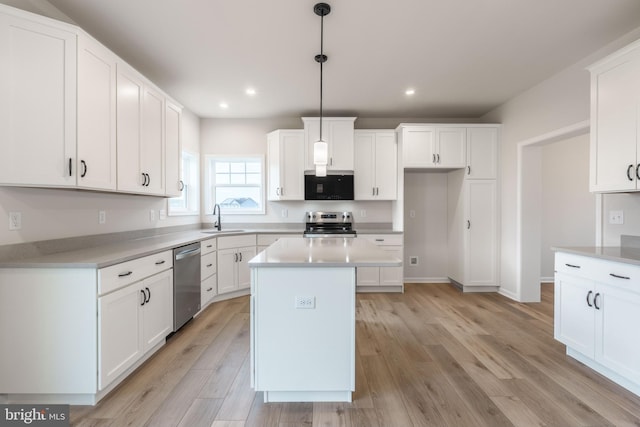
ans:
(363, 213)
(102, 217)
(412, 213)
(305, 302)
(284, 213)
(15, 220)
(413, 260)
(152, 215)
(616, 217)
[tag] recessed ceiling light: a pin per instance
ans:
(224, 105)
(250, 91)
(410, 92)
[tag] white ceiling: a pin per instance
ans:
(463, 57)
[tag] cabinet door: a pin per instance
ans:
(616, 314)
(173, 149)
(482, 153)
(368, 276)
(418, 145)
(386, 166)
(273, 165)
(292, 165)
(574, 319)
(227, 268)
(340, 145)
(129, 110)
(152, 145)
(364, 166)
(480, 240)
(37, 85)
(119, 333)
(244, 273)
(392, 276)
(157, 316)
(614, 115)
(451, 147)
(96, 162)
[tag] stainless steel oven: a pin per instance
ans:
(329, 224)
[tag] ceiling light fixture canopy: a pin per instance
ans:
(320, 147)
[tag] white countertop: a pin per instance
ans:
(326, 252)
(610, 253)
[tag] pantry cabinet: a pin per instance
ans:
(437, 147)
(37, 101)
(286, 165)
(375, 165)
(482, 153)
(337, 132)
(596, 300)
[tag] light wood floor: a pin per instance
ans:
(429, 357)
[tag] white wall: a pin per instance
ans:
(555, 103)
(425, 234)
(567, 206)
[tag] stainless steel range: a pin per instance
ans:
(329, 224)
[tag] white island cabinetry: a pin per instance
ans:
(596, 301)
(305, 288)
(378, 279)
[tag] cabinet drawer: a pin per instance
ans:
(207, 265)
(207, 246)
(269, 239)
(383, 239)
(208, 289)
(119, 275)
(575, 265)
(229, 242)
(618, 274)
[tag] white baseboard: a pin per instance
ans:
(426, 280)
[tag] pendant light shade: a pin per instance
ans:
(320, 147)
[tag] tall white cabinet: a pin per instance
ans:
(615, 132)
(286, 164)
(375, 171)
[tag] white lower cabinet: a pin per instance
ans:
(208, 270)
(234, 253)
(382, 278)
(131, 321)
(596, 302)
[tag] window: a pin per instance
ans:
(189, 201)
(236, 184)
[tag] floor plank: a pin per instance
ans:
(432, 356)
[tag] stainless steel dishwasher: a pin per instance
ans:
(186, 283)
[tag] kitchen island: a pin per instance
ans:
(303, 316)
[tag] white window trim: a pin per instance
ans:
(208, 190)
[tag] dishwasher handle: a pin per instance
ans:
(187, 253)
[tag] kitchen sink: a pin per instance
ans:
(220, 231)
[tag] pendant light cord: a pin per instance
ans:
(321, 61)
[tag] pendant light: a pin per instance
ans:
(320, 147)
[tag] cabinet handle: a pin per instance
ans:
(469, 170)
(128, 273)
(209, 265)
(589, 302)
(144, 179)
(619, 277)
(282, 191)
(70, 167)
(377, 191)
(595, 301)
(330, 161)
(209, 246)
(240, 256)
(572, 265)
(181, 185)
(438, 157)
(434, 158)
(379, 240)
(144, 297)
(629, 172)
(235, 257)
(84, 168)
(149, 297)
(637, 175)
(160, 262)
(468, 224)
(148, 180)
(209, 290)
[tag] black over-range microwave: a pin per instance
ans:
(330, 187)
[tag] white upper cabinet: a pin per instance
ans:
(426, 146)
(482, 153)
(286, 165)
(152, 142)
(37, 101)
(96, 146)
(173, 147)
(337, 132)
(375, 171)
(129, 101)
(615, 102)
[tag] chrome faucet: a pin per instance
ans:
(217, 224)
